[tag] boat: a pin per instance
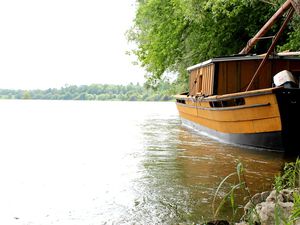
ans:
(246, 99)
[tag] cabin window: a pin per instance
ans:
(227, 103)
(239, 101)
(215, 104)
(181, 101)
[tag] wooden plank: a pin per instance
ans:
(248, 126)
(246, 120)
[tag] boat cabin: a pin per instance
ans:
(219, 76)
(251, 100)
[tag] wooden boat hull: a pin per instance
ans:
(266, 140)
(260, 118)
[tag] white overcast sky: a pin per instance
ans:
(50, 43)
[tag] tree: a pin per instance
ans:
(26, 95)
(171, 35)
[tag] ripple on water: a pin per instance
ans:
(114, 163)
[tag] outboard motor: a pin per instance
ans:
(286, 79)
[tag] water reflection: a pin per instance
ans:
(184, 169)
(113, 163)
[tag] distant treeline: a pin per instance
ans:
(131, 92)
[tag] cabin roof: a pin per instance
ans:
(242, 58)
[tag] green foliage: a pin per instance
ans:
(290, 177)
(159, 29)
(293, 36)
(171, 35)
(103, 92)
(296, 210)
(26, 95)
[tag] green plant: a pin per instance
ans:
(290, 179)
(230, 195)
(291, 175)
(296, 210)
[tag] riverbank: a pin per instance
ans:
(278, 206)
(275, 207)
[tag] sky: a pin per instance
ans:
(53, 43)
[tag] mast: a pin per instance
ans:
(288, 4)
(291, 5)
(288, 18)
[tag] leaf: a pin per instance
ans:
(239, 170)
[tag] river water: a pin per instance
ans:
(92, 162)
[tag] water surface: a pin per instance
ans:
(88, 163)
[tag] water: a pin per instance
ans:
(88, 163)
